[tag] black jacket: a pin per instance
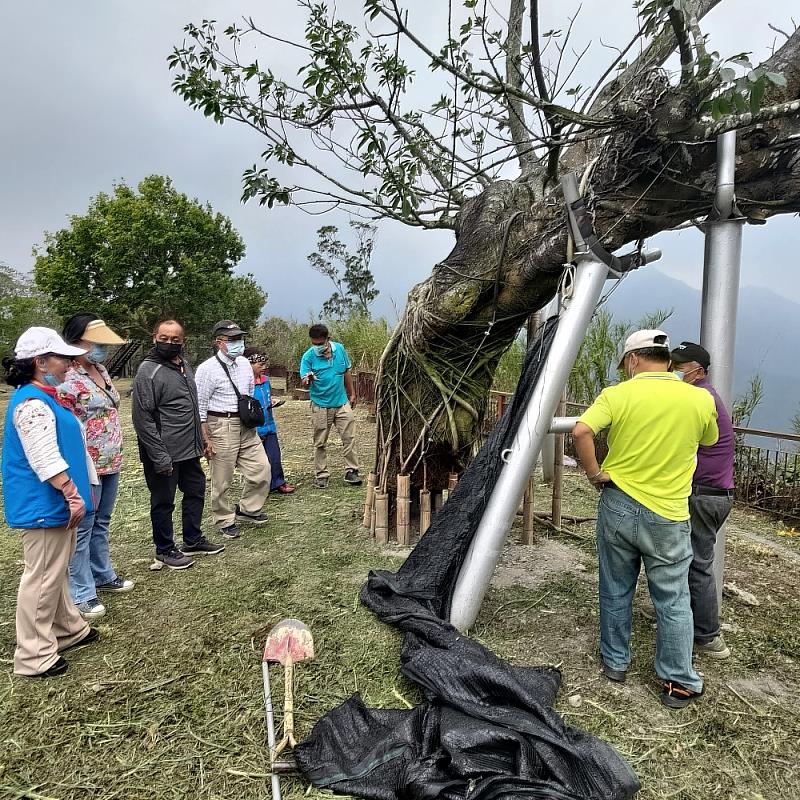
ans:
(165, 411)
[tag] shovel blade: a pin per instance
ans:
(289, 640)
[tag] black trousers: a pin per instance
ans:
(708, 514)
(188, 476)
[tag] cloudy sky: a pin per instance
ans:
(86, 100)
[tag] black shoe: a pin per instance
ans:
(616, 675)
(202, 547)
(92, 636)
(53, 671)
(352, 477)
(673, 695)
(259, 518)
(230, 532)
(174, 559)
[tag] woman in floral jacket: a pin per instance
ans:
(88, 390)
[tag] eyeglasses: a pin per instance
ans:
(259, 358)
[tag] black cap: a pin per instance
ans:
(227, 327)
(689, 351)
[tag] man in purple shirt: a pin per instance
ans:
(710, 503)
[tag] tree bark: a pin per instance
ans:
(651, 175)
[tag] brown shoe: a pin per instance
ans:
(285, 488)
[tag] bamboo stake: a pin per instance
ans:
(381, 517)
(558, 467)
(403, 509)
(528, 535)
(452, 481)
(369, 501)
(424, 511)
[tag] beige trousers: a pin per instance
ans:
(236, 446)
(344, 421)
(47, 620)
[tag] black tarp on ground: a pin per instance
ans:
(487, 729)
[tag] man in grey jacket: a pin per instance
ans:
(167, 424)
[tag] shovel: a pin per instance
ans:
(288, 643)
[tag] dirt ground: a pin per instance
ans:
(169, 703)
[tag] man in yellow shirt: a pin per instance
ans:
(656, 423)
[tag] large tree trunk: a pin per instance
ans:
(511, 241)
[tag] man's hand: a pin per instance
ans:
(75, 504)
(164, 469)
(352, 400)
(306, 379)
(209, 451)
(599, 479)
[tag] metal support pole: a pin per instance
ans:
(723, 255)
(487, 544)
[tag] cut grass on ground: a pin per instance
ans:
(169, 703)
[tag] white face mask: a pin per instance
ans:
(681, 374)
(236, 348)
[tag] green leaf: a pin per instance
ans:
(776, 78)
(756, 95)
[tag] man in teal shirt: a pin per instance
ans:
(325, 370)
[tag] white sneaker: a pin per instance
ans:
(91, 609)
(716, 648)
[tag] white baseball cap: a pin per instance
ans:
(41, 341)
(639, 340)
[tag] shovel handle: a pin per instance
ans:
(288, 739)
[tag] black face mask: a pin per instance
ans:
(168, 350)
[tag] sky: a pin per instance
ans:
(86, 100)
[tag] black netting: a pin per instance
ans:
(487, 729)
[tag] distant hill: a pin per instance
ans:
(767, 333)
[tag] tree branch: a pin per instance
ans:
(516, 114)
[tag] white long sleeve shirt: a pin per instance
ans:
(214, 390)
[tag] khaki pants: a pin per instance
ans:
(236, 446)
(343, 420)
(47, 620)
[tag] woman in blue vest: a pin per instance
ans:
(47, 487)
(268, 431)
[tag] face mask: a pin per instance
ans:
(98, 354)
(51, 379)
(678, 373)
(168, 350)
(320, 349)
(236, 348)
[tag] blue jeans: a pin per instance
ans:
(90, 565)
(627, 535)
(273, 450)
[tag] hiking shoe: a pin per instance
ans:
(716, 648)
(616, 675)
(91, 609)
(202, 547)
(322, 483)
(118, 585)
(259, 518)
(174, 559)
(53, 671)
(230, 532)
(352, 477)
(673, 695)
(92, 636)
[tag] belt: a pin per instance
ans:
(226, 414)
(698, 488)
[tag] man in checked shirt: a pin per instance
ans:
(229, 444)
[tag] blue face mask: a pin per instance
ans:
(678, 373)
(51, 379)
(236, 348)
(98, 354)
(320, 349)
